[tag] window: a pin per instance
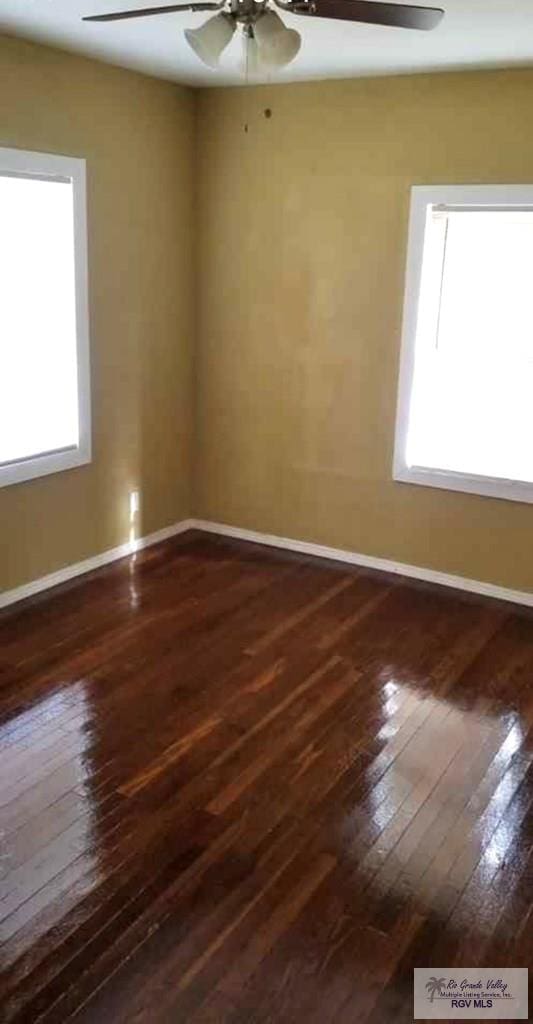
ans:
(44, 357)
(465, 408)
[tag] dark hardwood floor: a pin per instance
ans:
(240, 785)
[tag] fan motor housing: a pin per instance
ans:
(247, 12)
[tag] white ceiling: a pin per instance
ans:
(474, 33)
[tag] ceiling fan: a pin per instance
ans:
(269, 43)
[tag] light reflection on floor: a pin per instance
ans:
(48, 816)
(435, 809)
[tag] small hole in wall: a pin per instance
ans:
(267, 112)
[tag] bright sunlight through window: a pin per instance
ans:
(465, 411)
(43, 318)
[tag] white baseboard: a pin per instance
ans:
(304, 547)
(95, 562)
(369, 561)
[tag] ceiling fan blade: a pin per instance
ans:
(201, 5)
(368, 11)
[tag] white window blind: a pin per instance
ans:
(466, 406)
(43, 331)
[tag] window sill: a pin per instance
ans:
(488, 487)
(43, 465)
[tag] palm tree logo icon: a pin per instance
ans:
(434, 987)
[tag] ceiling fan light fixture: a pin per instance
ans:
(268, 43)
(210, 39)
(277, 44)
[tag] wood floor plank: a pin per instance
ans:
(245, 785)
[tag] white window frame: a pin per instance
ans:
(26, 164)
(422, 197)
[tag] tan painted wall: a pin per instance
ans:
(137, 137)
(302, 244)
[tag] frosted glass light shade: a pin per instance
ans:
(211, 38)
(277, 44)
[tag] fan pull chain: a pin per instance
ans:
(246, 69)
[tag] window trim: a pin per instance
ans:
(50, 166)
(422, 196)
